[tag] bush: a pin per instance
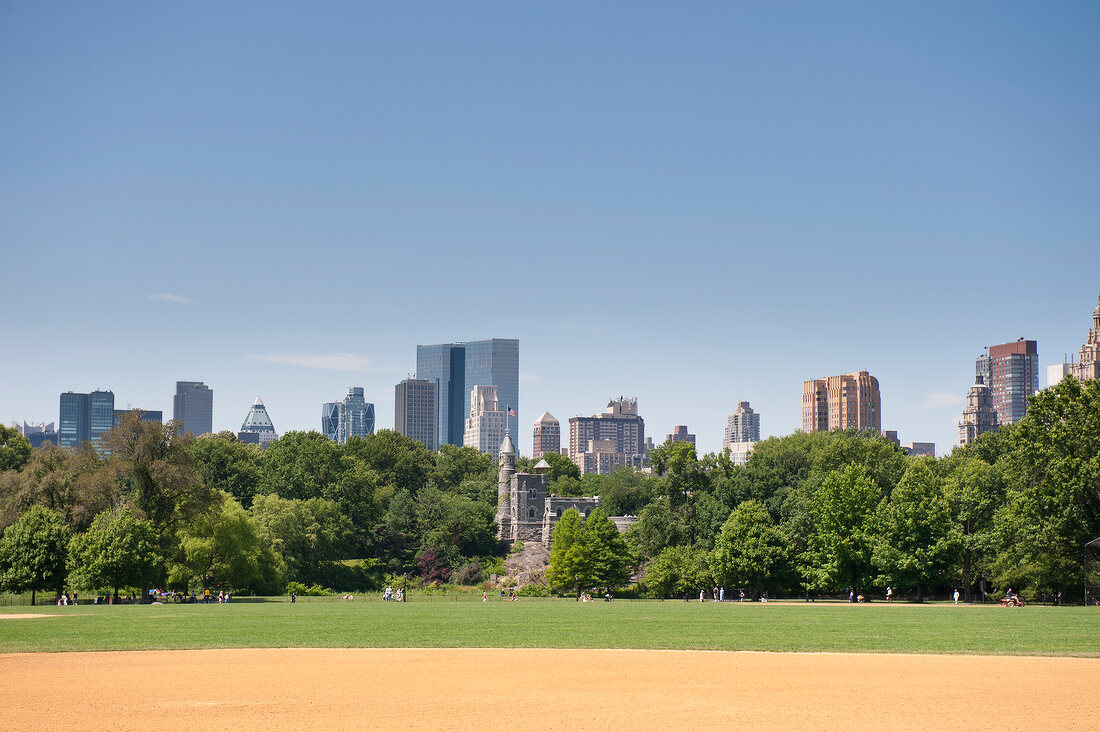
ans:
(301, 590)
(468, 574)
(533, 591)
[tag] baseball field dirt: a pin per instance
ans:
(518, 689)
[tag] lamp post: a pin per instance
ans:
(405, 589)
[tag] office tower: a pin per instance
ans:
(602, 442)
(414, 411)
(920, 449)
(680, 434)
(456, 368)
(445, 366)
(485, 427)
(147, 415)
(1058, 371)
(979, 416)
(37, 434)
(546, 436)
(1011, 371)
(85, 417)
(257, 428)
(847, 401)
(193, 407)
(1088, 361)
(495, 362)
(330, 420)
(355, 416)
(742, 433)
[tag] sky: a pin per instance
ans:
(694, 205)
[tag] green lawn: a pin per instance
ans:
(561, 624)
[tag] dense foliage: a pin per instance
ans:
(808, 514)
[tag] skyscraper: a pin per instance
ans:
(257, 428)
(193, 407)
(445, 366)
(330, 420)
(1013, 376)
(414, 411)
(37, 434)
(979, 416)
(485, 425)
(742, 433)
(848, 401)
(456, 368)
(680, 434)
(85, 417)
(356, 416)
(546, 436)
(602, 442)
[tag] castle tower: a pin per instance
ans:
(505, 518)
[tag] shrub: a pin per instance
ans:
(313, 591)
(533, 591)
(468, 574)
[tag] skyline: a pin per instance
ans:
(694, 209)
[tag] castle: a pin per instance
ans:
(524, 511)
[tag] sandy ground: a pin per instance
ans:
(521, 689)
(25, 616)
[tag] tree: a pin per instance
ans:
(626, 491)
(916, 544)
(229, 465)
(33, 552)
(561, 466)
(571, 568)
(15, 449)
(118, 550)
(310, 535)
(975, 491)
(1053, 505)
(750, 551)
(608, 555)
(399, 461)
(677, 571)
(71, 481)
(151, 464)
(226, 549)
(840, 547)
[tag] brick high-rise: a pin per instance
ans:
(1013, 376)
(847, 401)
(546, 436)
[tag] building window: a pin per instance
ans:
(531, 514)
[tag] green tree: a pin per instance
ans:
(226, 549)
(15, 449)
(33, 552)
(309, 534)
(1053, 505)
(118, 550)
(571, 568)
(626, 491)
(229, 465)
(71, 481)
(658, 527)
(751, 551)
(455, 525)
(608, 554)
(916, 543)
(975, 491)
(840, 548)
(678, 571)
(399, 461)
(151, 465)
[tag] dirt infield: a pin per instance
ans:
(541, 689)
(25, 616)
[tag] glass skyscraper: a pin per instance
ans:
(456, 368)
(193, 407)
(330, 420)
(353, 415)
(85, 417)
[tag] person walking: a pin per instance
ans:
(956, 596)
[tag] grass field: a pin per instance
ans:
(560, 624)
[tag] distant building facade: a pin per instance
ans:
(37, 434)
(193, 407)
(330, 420)
(485, 426)
(979, 416)
(847, 401)
(147, 415)
(546, 436)
(85, 417)
(356, 416)
(415, 411)
(456, 368)
(1087, 365)
(257, 428)
(680, 434)
(742, 433)
(602, 442)
(1011, 370)
(920, 449)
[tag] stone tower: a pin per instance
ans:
(505, 519)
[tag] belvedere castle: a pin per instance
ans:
(525, 512)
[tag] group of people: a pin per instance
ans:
(65, 599)
(390, 596)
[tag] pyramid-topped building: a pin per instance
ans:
(257, 428)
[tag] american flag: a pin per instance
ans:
(512, 412)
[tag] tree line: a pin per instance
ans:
(808, 514)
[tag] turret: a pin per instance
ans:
(504, 486)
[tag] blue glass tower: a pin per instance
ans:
(330, 420)
(445, 366)
(494, 362)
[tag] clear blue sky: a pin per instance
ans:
(691, 204)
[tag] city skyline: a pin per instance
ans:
(813, 191)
